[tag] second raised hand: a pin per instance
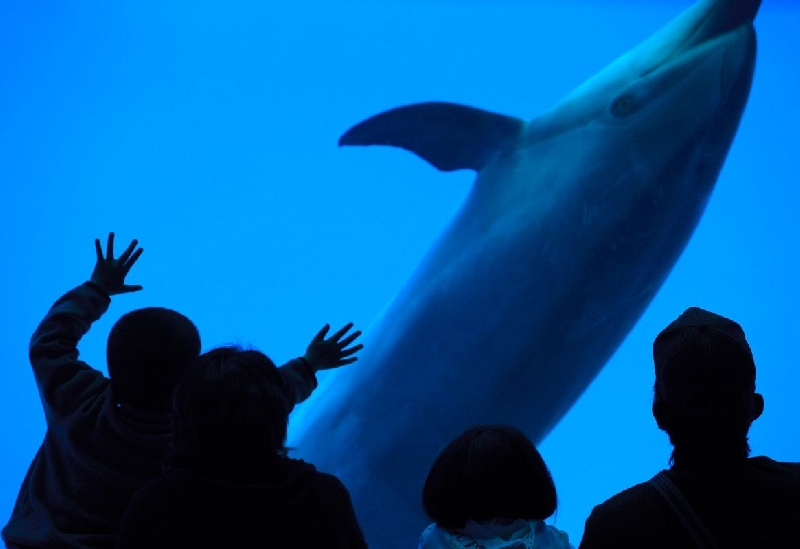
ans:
(324, 354)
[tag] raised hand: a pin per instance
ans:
(109, 273)
(324, 354)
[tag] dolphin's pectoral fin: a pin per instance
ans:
(449, 136)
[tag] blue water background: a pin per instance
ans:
(208, 131)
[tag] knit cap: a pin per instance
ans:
(702, 351)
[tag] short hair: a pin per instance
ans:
(230, 412)
(147, 353)
(488, 472)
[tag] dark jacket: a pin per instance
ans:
(753, 504)
(288, 503)
(96, 454)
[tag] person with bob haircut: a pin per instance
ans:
(490, 488)
(228, 481)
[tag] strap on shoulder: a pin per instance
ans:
(694, 526)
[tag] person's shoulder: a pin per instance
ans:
(306, 473)
(764, 473)
(286, 466)
(331, 483)
(634, 505)
(766, 465)
(768, 462)
(631, 497)
(635, 517)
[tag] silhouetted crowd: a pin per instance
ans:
(182, 449)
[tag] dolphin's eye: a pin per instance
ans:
(624, 105)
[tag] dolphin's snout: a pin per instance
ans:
(740, 12)
(726, 15)
(716, 18)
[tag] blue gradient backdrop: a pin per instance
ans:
(208, 131)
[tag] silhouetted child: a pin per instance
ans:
(490, 488)
(107, 436)
(227, 481)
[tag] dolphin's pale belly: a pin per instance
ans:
(514, 339)
(573, 223)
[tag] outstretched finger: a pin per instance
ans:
(130, 288)
(126, 267)
(348, 361)
(110, 246)
(98, 248)
(349, 339)
(348, 352)
(343, 330)
(321, 334)
(128, 251)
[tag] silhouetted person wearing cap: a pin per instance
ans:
(713, 495)
(107, 436)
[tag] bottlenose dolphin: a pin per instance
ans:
(573, 223)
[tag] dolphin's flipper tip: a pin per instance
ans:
(449, 136)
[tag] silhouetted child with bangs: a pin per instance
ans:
(107, 436)
(490, 488)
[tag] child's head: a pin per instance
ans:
(230, 412)
(148, 352)
(486, 473)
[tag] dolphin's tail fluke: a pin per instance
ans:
(449, 136)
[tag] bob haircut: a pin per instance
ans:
(230, 413)
(488, 472)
